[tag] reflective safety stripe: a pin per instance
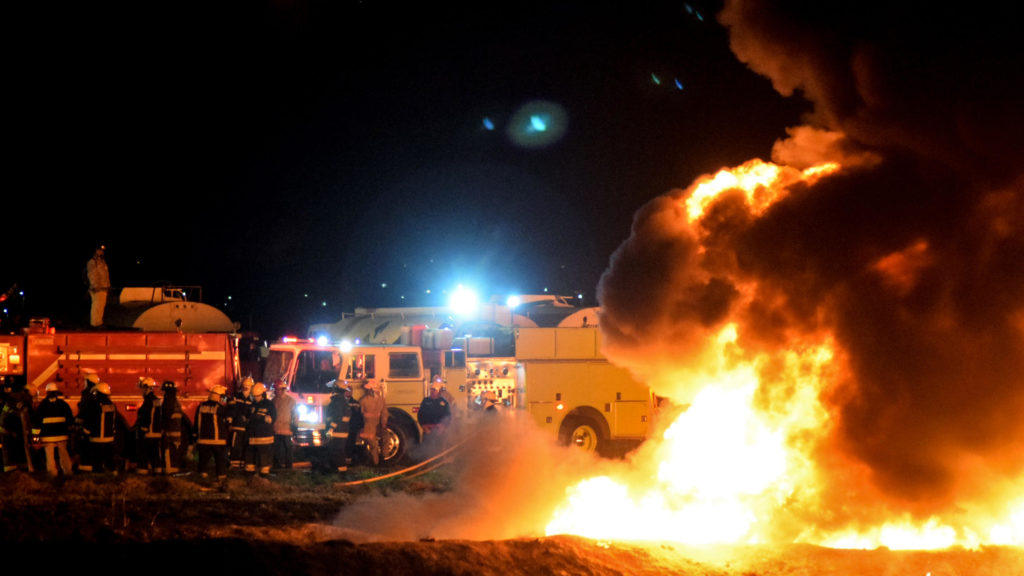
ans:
(54, 419)
(261, 440)
(46, 439)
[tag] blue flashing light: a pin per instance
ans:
(538, 123)
(488, 124)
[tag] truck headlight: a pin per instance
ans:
(308, 414)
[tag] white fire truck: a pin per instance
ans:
(556, 374)
(310, 368)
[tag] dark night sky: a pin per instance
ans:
(291, 154)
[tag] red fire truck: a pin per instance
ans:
(171, 339)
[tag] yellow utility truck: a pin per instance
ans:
(571, 390)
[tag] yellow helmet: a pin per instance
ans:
(247, 383)
(52, 387)
(218, 390)
(103, 388)
(258, 389)
(92, 377)
(146, 382)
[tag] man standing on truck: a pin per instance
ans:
(98, 275)
(375, 419)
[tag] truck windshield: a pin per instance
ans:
(277, 366)
(314, 370)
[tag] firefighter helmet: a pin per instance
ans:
(247, 383)
(218, 389)
(258, 389)
(103, 388)
(145, 382)
(436, 385)
(280, 387)
(52, 387)
(92, 378)
(170, 385)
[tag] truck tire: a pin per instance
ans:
(582, 433)
(395, 444)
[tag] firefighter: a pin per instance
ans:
(355, 423)
(337, 422)
(16, 427)
(375, 419)
(239, 410)
(212, 434)
(100, 425)
(260, 432)
(175, 428)
(434, 416)
(98, 276)
(52, 426)
(149, 430)
(79, 446)
(284, 426)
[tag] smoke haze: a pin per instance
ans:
(911, 258)
(508, 478)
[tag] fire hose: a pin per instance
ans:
(418, 469)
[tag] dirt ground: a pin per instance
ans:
(288, 524)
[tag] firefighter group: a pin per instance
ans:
(249, 430)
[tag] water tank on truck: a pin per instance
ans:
(166, 309)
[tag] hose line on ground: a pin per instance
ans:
(434, 462)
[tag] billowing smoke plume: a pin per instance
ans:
(911, 257)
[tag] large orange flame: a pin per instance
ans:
(739, 465)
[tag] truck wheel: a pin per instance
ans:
(581, 433)
(395, 444)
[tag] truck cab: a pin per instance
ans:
(309, 370)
